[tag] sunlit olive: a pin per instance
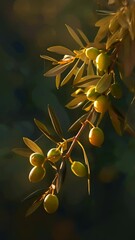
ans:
(51, 203)
(92, 53)
(37, 159)
(103, 61)
(96, 136)
(101, 104)
(92, 94)
(116, 91)
(36, 174)
(54, 155)
(78, 169)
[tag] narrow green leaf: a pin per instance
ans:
(103, 21)
(84, 36)
(75, 36)
(104, 83)
(79, 74)
(22, 151)
(48, 58)
(90, 70)
(56, 70)
(70, 74)
(58, 80)
(55, 122)
(34, 207)
(76, 102)
(32, 145)
(87, 164)
(44, 130)
(76, 125)
(117, 120)
(61, 176)
(61, 50)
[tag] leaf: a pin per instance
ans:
(61, 50)
(87, 164)
(22, 151)
(84, 36)
(76, 125)
(70, 74)
(103, 21)
(79, 74)
(88, 80)
(76, 102)
(75, 36)
(57, 70)
(55, 122)
(48, 58)
(117, 120)
(44, 130)
(90, 70)
(34, 206)
(57, 80)
(61, 176)
(34, 194)
(32, 145)
(104, 83)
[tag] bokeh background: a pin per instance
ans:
(27, 28)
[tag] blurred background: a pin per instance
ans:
(27, 28)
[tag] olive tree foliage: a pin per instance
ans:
(91, 72)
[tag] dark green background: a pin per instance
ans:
(27, 28)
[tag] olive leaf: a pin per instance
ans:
(61, 176)
(75, 36)
(32, 145)
(60, 50)
(57, 70)
(22, 151)
(44, 130)
(76, 102)
(104, 83)
(116, 119)
(70, 74)
(49, 58)
(76, 125)
(79, 74)
(36, 204)
(55, 122)
(58, 80)
(87, 164)
(86, 40)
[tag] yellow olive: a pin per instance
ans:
(51, 203)
(91, 94)
(78, 169)
(36, 174)
(54, 155)
(96, 136)
(37, 159)
(101, 104)
(116, 91)
(92, 53)
(103, 61)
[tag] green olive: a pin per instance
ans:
(103, 61)
(54, 155)
(37, 159)
(36, 174)
(51, 203)
(78, 169)
(96, 136)
(101, 104)
(92, 53)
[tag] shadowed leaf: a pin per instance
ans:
(34, 194)
(76, 102)
(61, 176)
(76, 125)
(32, 145)
(34, 206)
(117, 120)
(57, 80)
(79, 74)
(22, 151)
(75, 36)
(55, 122)
(61, 50)
(48, 58)
(44, 130)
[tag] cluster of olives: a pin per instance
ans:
(37, 160)
(100, 58)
